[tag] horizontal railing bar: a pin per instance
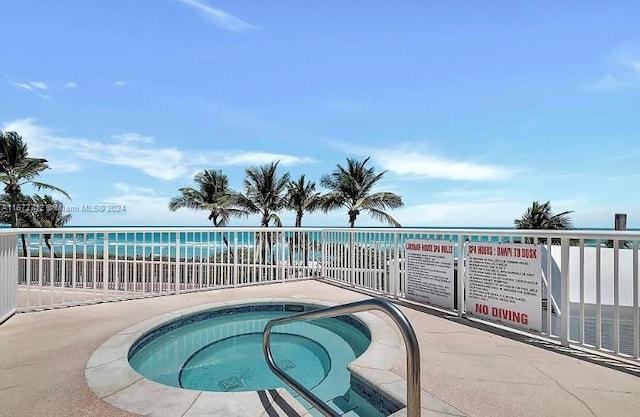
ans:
(586, 234)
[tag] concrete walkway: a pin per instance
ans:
(43, 357)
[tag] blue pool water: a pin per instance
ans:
(222, 351)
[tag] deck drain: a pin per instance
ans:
(230, 383)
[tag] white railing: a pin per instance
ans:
(589, 284)
(88, 265)
(591, 275)
(8, 276)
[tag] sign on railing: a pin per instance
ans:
(429, 267)
(503, 284)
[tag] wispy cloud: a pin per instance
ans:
(259, 158)
(608, 83)
(120, 84)
(481, 213)
(133, 137)
(31, 85)
(70, 85)
(132, 150)
(411, 159)
(132, 189)
(220, 18)
(623, 71)
(35, 87)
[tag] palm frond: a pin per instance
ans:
(383, 217)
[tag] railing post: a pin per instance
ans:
(236, 268)
(352, 257)
(8, 276)
(395, 282)
(105, 264)
(564, 288)
(461, 272)
(283, 257)
(323, 254)
(178, 276)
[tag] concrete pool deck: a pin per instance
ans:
(475, 372)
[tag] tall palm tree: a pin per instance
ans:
(302, 197)
(351, 186)
(265, 193)
(213, 195)
(18, 169)
(540, 216)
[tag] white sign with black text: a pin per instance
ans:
(429, 269)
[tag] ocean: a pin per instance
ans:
(205, 244)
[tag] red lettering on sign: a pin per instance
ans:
(447, 249)
(504, 251)
(510, 315)
(482, 308)
(485, 250)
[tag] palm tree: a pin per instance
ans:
(213, 195)
(49, 214)
(302, 197)
(265, 193)
(351, 187)
(540, 216)
(22, 205)
(18, 169)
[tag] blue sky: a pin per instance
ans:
(474, 108)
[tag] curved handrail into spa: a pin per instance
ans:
(408, 334)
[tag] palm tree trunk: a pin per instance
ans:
(24, 244)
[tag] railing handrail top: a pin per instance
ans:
(573, 233)
(494, 232)
(152, 229)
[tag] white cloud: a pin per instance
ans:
(623, 74)
(220, 18)
(70, 85)
(259, 158)
(133, 137)
(33, 86)
(160, 162)
(141, 207)
(40, 85)
(120, 84)
(409, 159)
(132, 189)
(607, 83)
(482, 213)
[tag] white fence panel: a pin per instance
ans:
(8, 276)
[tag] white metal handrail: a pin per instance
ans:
(408, 334)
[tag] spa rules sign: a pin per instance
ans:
(429, 266)
(503, 284)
